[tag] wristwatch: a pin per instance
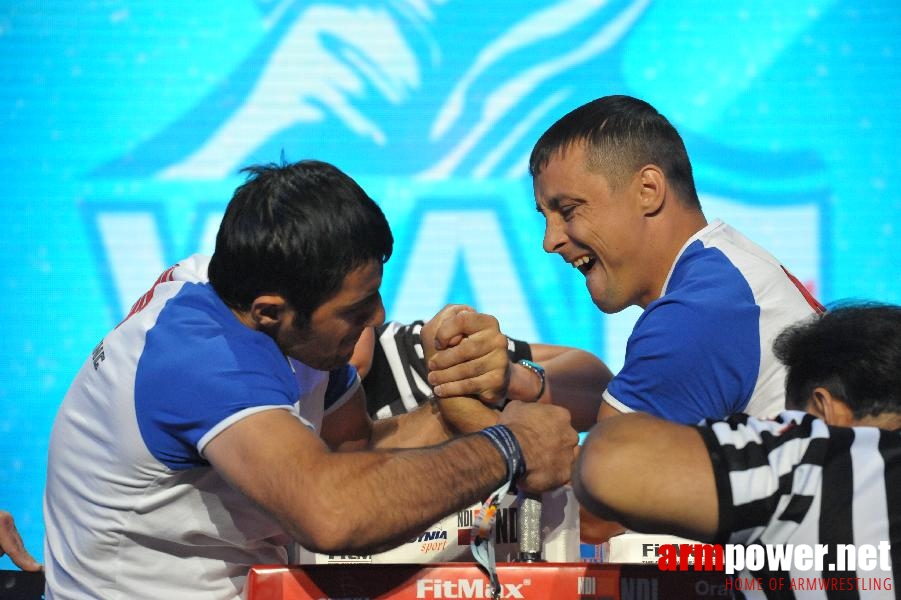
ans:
(538, 370)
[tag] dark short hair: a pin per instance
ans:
(622, 135)
(296, 230)
(853, 350)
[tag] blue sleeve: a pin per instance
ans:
(686, 361)
(185, 390)
(341, 382)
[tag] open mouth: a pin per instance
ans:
(584, 263)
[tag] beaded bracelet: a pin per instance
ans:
(538, 370)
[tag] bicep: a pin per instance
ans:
(262, 456)
(349, 426)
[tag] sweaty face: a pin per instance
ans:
(598, 231)
(327, 341)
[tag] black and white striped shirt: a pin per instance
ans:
(396, 382)
(795, 480)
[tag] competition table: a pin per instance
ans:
(442, 581)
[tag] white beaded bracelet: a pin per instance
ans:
(538, 370)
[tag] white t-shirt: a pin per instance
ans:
(132, 509)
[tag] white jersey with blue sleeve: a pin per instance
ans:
(704, 348)
(132, 508)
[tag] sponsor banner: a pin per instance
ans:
(535, 581)
(444, 581)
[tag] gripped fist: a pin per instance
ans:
(429, 331)
(470, 357)
(548, 442)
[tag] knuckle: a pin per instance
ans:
(486, 391)
(490, 396)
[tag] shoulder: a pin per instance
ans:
(198, 356)
(197, 331)
(701, 318)
(711, 291)
(709, 272)
(754, 462)
(741, 430)
(756, 454)
(722, 262)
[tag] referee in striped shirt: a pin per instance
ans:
(826, 472)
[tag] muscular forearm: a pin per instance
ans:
(576, 381)
(424, 426)
(466, 415)
(366, 500)
(374, 501)
(356, 501)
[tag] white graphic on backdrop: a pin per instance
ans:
(510, 95)
(327, 58)
(304, 81)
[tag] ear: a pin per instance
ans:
(830, 408)
(268, 311)
(652, 189)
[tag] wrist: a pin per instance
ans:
(524, 384)
(507, 445)
(528, 381)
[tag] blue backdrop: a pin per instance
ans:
(124, 123)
